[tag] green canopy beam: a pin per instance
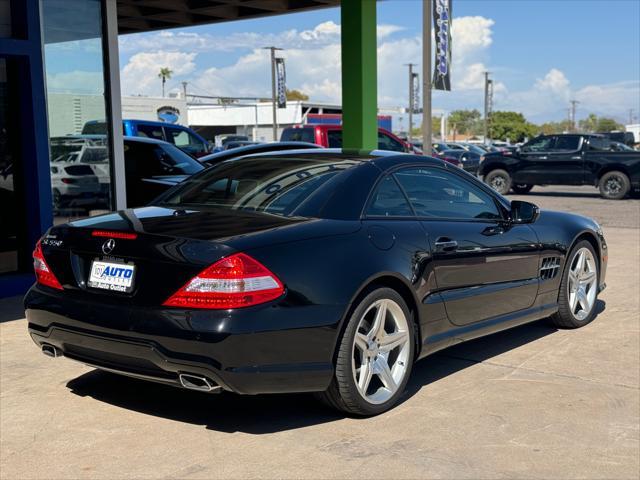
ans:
(359, 75)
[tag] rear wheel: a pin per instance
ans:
(375, 356)
(499, 180)
(578, 289)
(521, 188)
(614, 185)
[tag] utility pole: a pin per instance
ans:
(273, 90)
(426, 77)
(569, 119)
(573, 114)
(630, 116)
(411, 100)
(486, 107)
(184, 90)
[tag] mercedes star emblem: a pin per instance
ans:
(108, 246)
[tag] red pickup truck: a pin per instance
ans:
(330, 136)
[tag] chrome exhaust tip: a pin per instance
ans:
(197, 382)
(50, 351)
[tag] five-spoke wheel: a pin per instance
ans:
(375, 355)
(381, 351)
(578, 288)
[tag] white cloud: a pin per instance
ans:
(326, 33)
(313, 65)
(555, 82)
(140, 75)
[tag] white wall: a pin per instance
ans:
(146, 108)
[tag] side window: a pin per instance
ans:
(334, 138)
(388, 200)
(569, 143)
(385, 142)
(436, 193)
(183, 139)
(542, 144)
(599, 144)
(150, 131)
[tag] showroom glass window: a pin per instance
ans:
(11, 217)
(76, 94)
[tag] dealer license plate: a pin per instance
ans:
(117, 277)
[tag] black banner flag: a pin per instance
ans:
(442, 26)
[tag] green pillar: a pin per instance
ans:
(359, 75)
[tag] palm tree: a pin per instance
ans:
(165, 74)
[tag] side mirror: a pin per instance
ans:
(523, 212)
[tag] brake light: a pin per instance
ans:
(68, 180)
(233, 282)
(111, 234)
(44, 275)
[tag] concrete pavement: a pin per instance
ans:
(533, 402)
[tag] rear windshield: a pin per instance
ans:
(298, 135)
(272, 185)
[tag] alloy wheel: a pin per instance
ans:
(582, 285)
(613, 186)
(498, 183)
(381, 349)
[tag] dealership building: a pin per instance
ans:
(59, 58)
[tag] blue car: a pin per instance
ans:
(182, 137)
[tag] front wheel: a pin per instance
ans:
(614, 185)
(578, 288)
(521, 188)
(375, 356)
(499, 180)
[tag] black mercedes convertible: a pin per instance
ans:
(308, 271)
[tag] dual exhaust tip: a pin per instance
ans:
(187, 380)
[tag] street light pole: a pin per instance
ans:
(426, 76)
(411, 101)
(273, 90)
(486, 107)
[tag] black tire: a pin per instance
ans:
(499, 180)
(342, 393)
(614, 185)
(521, 188)
(565, 318)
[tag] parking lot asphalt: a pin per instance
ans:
(532, 402)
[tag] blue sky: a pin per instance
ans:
(542, 53)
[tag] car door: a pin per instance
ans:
(553, 160)
(484, 265)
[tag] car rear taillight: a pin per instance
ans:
(233, 282)
(44, 275)
(68, 181)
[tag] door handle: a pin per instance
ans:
(444, 244)
(577, 157)
(544, 157)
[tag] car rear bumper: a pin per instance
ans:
(272, 349)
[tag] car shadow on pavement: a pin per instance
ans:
(11, 308)
(262, 414)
